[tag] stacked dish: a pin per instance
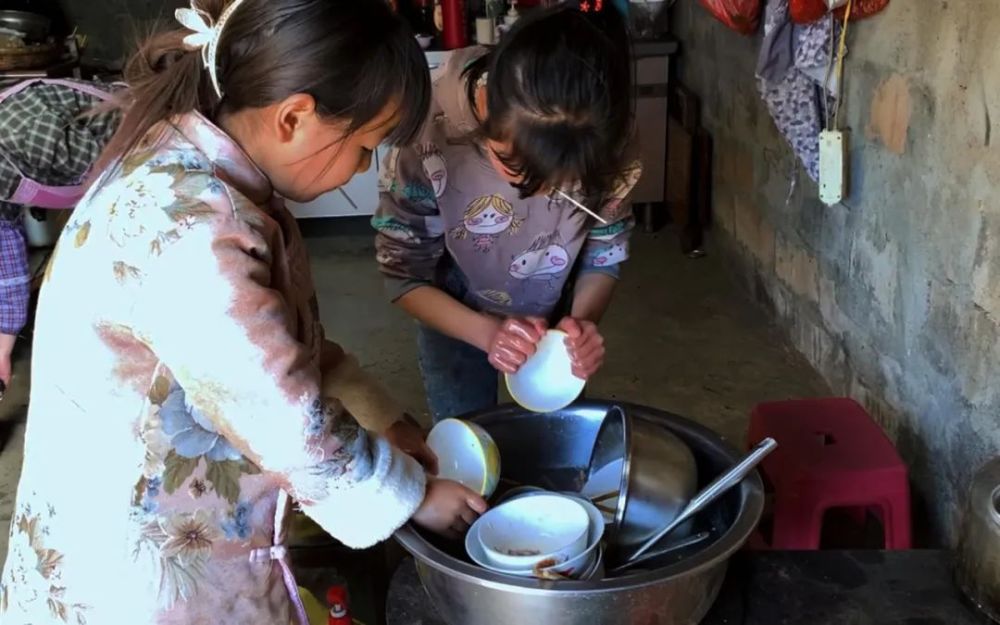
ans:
(540, 534)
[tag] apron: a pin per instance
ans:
(30, 192)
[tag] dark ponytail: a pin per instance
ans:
(559, 90)
(354, 57)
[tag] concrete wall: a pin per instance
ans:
(895, 294)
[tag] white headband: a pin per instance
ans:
(206, 35)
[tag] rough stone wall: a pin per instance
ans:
(894, 295)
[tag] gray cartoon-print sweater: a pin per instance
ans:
(441, 200)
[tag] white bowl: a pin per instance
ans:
(518, 492)
(466, 454)
(584, 566)
(595, 533)
(521, 533)
(597, 519)
(545, 383)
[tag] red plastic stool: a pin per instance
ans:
(830, 455)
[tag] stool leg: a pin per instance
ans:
(797, 525)
(896, 521)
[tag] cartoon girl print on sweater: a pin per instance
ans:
(435, 167)
(485, 219)
(543, 260)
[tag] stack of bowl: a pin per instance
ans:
(540, 534)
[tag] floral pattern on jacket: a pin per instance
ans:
(190, 389)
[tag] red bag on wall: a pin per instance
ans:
(743, 16)
(808, 11)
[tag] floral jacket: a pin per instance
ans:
(182, 391)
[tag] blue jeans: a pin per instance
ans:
(458, 378)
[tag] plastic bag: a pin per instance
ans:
(743, 16)
(808, 11)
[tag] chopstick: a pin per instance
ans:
(582, 207)
(605, 509)
(608, 495)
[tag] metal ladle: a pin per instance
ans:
(710, 493)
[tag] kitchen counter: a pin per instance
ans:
(792, 588)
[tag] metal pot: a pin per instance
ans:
(659, 476)
(30, 26)
(978, 562)
(552, 451)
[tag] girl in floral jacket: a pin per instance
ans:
(183, 391)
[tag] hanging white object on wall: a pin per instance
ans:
(832, 166)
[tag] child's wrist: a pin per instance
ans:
(487, 328)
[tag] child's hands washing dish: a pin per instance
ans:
(586, 346)
(449, 508)
(514, 342)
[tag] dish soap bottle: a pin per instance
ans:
(336, 598)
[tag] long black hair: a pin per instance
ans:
(354, 57)
(559, 91)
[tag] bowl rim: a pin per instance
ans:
(716, 554)
(483, 451)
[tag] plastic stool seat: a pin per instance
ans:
(830, 455)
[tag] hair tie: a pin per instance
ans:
(206, 34)
(596, 7)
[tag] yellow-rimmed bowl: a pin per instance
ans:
(466, 454)
(545, 383)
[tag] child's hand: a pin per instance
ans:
(448, 508)
(407, 436)
(586, 346)
(515, 342)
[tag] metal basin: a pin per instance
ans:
(552, 451)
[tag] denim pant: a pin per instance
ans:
(458, 378)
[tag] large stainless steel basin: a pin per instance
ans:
(550, 451)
